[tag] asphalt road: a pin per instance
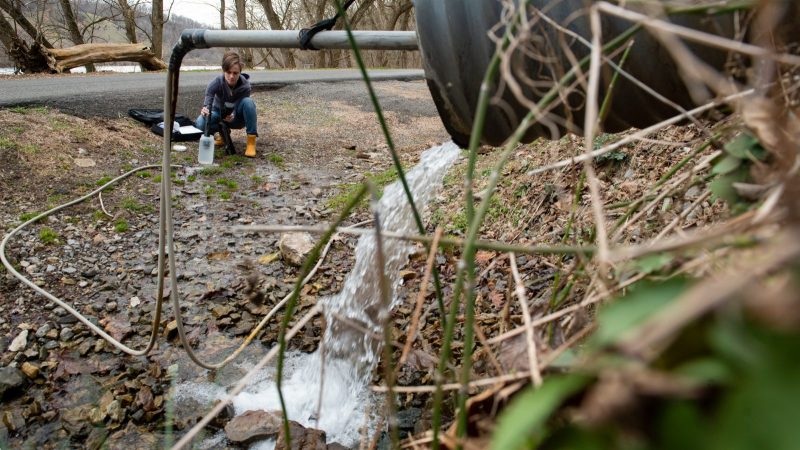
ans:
(112, 94)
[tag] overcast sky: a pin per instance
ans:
(203, 11)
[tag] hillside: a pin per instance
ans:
(113, 30)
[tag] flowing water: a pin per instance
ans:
(351, 354)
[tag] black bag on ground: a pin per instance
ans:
(155, 119)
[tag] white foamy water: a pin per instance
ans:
(347, 406)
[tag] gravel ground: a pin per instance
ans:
(63, 385)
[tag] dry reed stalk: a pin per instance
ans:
(656, 332)
(644, 132)
(536, 375)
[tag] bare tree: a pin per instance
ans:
(17, 16)
(129, 19)
(275, 23)
(72, 26)
(157, 27)
(241, 23)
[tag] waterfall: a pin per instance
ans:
(351, 355)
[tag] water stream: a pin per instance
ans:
(347, 405)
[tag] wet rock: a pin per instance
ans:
(407, 418)
(221, 311)
(97, 416)
(33, 410)
(97, 437)
(302, 438)
(13, 420)
(253, 425)
(171, 330)
(20, 342)
(223, 417)
(144, 398)
(12, 381)
(30, 370)
(66, 334)
(42, 331)
(295, 246)
(75, 419)
(131, 438)
(115, 411)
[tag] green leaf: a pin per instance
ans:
(653, 263)
(727, 165)
(741, 145)
(722, 187)
(705, 371)
(524, 418)
(643, 300)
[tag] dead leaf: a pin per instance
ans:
(218, 256)
(483, 257)
(498, 299)
(267, 259)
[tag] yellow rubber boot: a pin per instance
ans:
(250, 151)
(218, 141)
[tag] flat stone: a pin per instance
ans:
(42, 331)
(302, 438)
(30, 370)
(84, 162)
(11, 381)
(66, 334)
(295, 246)
(19, 342)
(253, 425)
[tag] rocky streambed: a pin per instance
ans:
(63, 386)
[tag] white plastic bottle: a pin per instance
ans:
(205, 153)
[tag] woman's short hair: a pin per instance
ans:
(229, 59)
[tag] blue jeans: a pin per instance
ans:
(244, 116)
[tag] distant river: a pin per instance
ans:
(116, 68)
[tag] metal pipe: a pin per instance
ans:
(366, 40)
(196, 39)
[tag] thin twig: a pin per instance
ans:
(644, 132)
(536, 376)
(691, 34)
(652, 335)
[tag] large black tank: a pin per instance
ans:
(456, 50)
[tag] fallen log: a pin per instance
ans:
(61, 59)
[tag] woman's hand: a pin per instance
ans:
(204, 112)
(228, 118)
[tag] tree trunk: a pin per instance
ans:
(241, 23)
(72, 25)
(17, 16)
(61, 59)
(157, 24)
(129, 18)
(275, 23)
(7, 33)
(222, 14)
